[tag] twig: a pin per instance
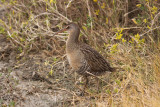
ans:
(130, 12)
(126, 16)
(62, 89)
(152, 23)
(14, 39)
(96, 77)
(155, 19)
(149, 31)
(41, 14)
(69, 3)
(90, 15)
(61, 16)
(126, 28)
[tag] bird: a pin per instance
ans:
(82, 58)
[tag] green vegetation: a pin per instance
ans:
(126, 32)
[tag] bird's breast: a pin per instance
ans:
(75, 59)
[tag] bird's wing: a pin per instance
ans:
(83, 69)
(95, 61)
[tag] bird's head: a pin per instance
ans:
(69, 28)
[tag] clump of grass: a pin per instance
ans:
(126, 33)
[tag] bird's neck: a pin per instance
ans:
(72, 40)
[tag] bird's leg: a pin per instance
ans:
(98, 85)
(85, 85)
(86, 82)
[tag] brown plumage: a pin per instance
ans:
(82, 58)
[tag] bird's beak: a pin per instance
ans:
(60, 31)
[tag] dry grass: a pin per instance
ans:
(125, 32)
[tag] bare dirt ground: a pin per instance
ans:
(23, 85)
